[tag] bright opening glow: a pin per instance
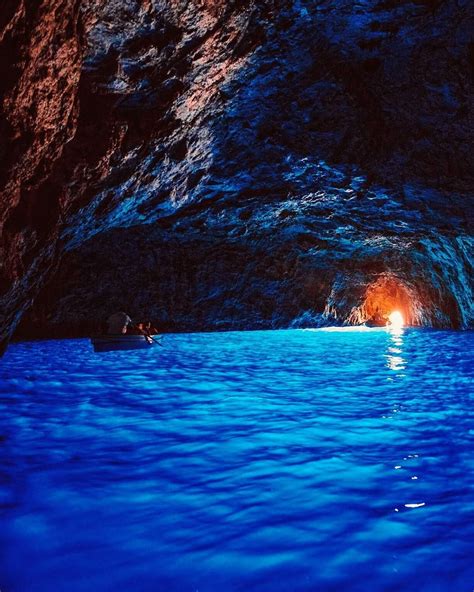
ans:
(396, 319)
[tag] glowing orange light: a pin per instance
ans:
(396, 319)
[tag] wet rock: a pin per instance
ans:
(329, 144)
(94, 95)
(270, 265)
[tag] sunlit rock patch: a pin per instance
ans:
(386, 296)
(429, 282)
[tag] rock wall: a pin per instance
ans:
(300, 262)
(322, 149)
(95, 96)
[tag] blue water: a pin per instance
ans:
(280, 461)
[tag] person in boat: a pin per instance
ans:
(378, 319)
(118, 323)
(148, 328)
(144, 329)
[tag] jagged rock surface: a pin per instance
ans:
(280, 162)
(261, 266)
(97, 98)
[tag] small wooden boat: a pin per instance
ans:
(105, 343)
(376, 323)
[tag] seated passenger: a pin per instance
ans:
(134, 330)
(149, 328)
(117, 323)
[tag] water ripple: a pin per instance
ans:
(289, 460)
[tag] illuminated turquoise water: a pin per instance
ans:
(280, 461)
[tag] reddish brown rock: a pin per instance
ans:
(89, 90)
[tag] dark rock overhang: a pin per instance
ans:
(121, 114)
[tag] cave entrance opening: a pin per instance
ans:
(390, 298)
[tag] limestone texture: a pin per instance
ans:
(244, 164)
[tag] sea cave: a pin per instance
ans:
(282, 192)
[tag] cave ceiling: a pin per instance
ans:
(263, 163)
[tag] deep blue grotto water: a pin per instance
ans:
(281, 461)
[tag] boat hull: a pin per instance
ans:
(105, 343)
(376, 324)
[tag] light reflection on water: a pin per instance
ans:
(290, 460)
(395, 361)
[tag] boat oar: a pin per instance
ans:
(155, 340)
(148, 336)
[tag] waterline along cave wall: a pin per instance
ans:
(217, 164)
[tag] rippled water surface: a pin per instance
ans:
(282, 461)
